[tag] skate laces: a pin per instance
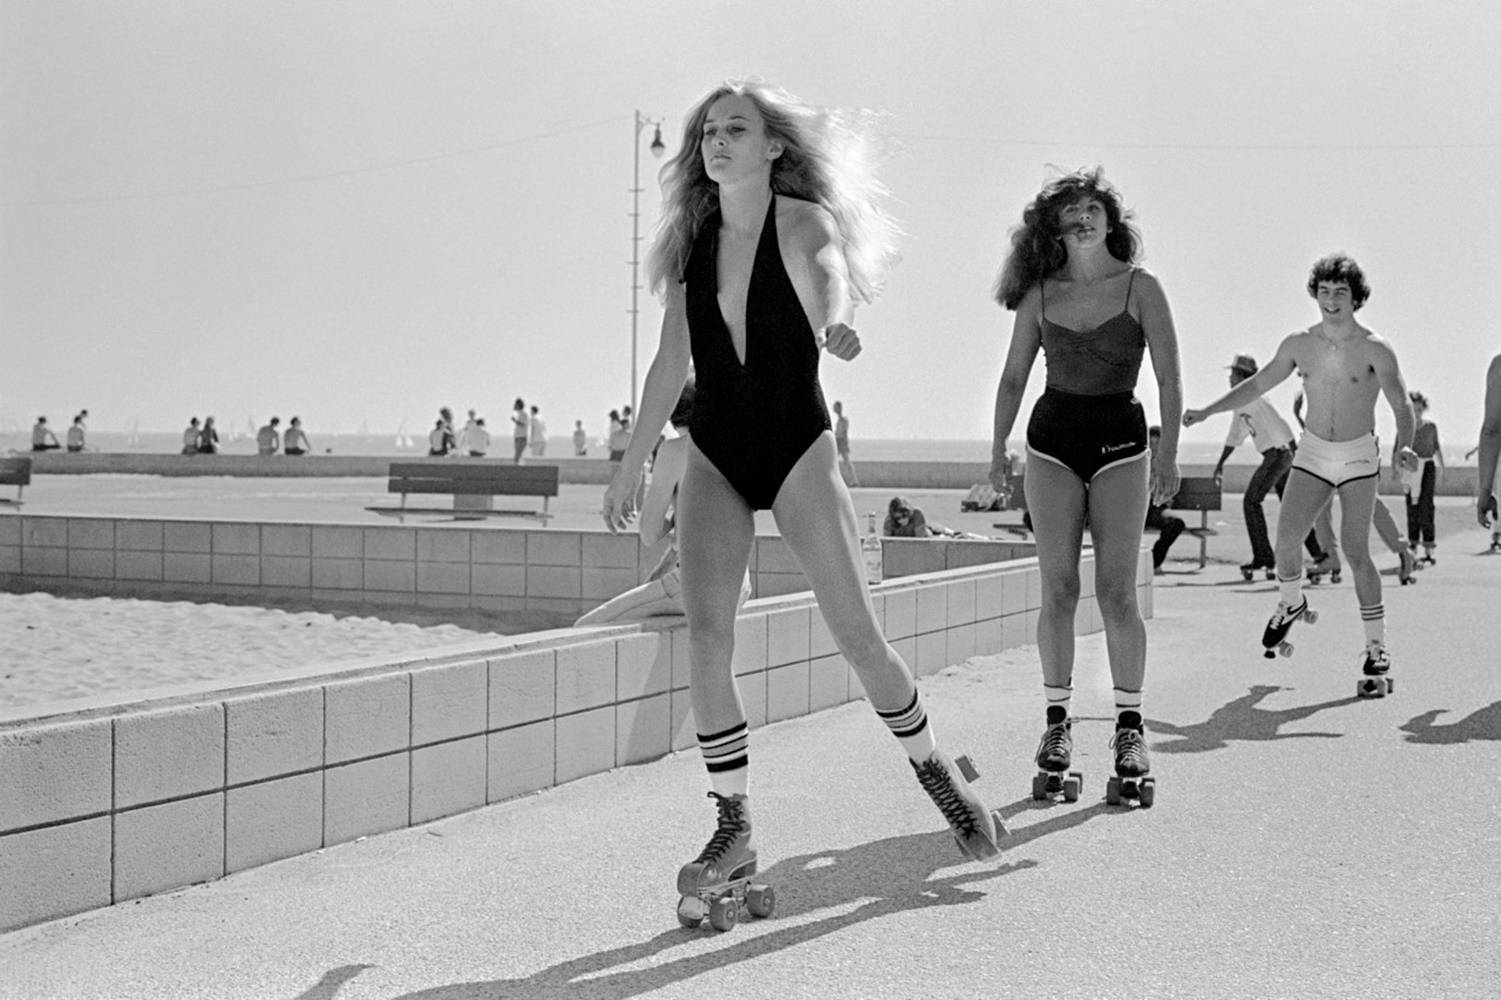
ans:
(1056, 743)
(1285, 613)
(939, 784)
(731, 826)
(1127, 744)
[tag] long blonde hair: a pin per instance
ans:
(829, 158)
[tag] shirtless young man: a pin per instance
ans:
(1490, 448)
(1344, 367)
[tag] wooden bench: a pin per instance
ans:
(1200, 493)
(473, 484)
(15, 472)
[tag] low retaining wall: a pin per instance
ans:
(102, 803)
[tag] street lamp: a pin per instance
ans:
(658, 147)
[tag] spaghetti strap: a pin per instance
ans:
(1129, 283)
(1042, 291)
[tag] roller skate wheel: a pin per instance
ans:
(723, 912)
(1285, 649)
(1146, 792)
(690, 911)
(1310, 616)
(1391, 685)
(1245, 574)
(1268, 653)
(1071, 786)
(760, 900)
(1113, 792)
(1039, 787)
(1371, 687)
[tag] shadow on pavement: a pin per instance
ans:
(1481, 724)
(883, 878)
(1241, 719)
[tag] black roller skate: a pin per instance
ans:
(1427, 558)
(1406, 566)
(976, 828)
(1375, 683)
(1325, 567)
(717, 883)
(1132, 763)
(1275, 636)
(1248, 570)
(1054, 756)
(1496, 541)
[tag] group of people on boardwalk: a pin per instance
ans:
(528, 432)
(269, 439)
(43, 438)
(771, 234)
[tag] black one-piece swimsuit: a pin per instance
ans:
(754, 420)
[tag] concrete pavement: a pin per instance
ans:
(1304, 844)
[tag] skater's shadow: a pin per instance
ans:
(1242, 719)
(1481, 724)
(860, 883)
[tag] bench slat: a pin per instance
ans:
(472, 487)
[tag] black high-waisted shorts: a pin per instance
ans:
(1087, 434)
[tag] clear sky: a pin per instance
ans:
(359, 212)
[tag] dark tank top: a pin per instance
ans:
(752, 420)
(1095, 362)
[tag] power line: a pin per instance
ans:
(311, 178)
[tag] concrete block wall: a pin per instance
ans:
(110, 803)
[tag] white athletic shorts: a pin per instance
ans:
(1338, 462)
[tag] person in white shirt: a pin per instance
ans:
(476, 438)
(537, 434)
(1271, 436)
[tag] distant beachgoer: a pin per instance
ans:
(520, 429)
(442, 440)
(1422, 486)
(268, 438)
(476, 439)
(468, 432)
(208, 438)
(842, 446)
(42, 438)
(190, 437)
(580, 439)
(1489, 449)
(297, 442)
(1168, 526)
(537, 434)
(620, 436)
(903, 520)
(1083, 301)
(76, 434)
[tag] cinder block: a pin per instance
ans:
(370, 796)
(559, 608)
(905, 648)
(53, 773)
(338, 542)
(521, 760)
(750, 644)
(753, 694)
(586, 675)
(554, 581)
(276, 733)
(91, 564)
(442, 578)
(523, 689)
(367, 717)
(168, 754)
(37, 561)
(186, 567)
(788, 638)
(828, 682)
(932, 608)
(273, 820)
(586, 743)
(236, 570)
(188, 536)
(44, 532)
(682, 657)
(10, 556)
(90, 533)
(449, 702)
(683, 734)
(54, 872)
(961, 643)
(961, 602)
(391, 543)
(1014, 631)
(820, 639)
(1034, 588)
(643, 665)
(136, 565)
(390, 576)
(287, 540)
(779, 584)
(236, 538)
(1014, 591)
(599, 584)
(286, 571)
(962, 552)
(988, 637)
(443, 545)
(554, 548)
(448, 778)
(164, 847)
(911, 556)
(901, 613)
(10, 531)
(338, 574)
(498, 545)
(642, 729)
(988, 597)
(498, 579)
(603, 550)
(932, 654)
(787, 692)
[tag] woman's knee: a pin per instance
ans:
(1061, 590)
(1116, 599)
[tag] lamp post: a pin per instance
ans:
(657, 149)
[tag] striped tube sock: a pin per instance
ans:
(1058, 700)
(1127, 708)
(1373, 619)
(910, 726)
(1291, 588)
(727, 756)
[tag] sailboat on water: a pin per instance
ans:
(403, 439)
